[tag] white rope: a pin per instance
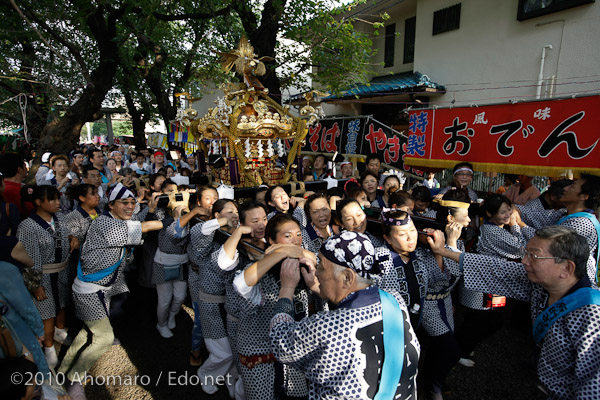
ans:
(22, 99)
(23, 107)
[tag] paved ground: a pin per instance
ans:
(504, 362)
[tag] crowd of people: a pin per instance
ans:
(318, 295)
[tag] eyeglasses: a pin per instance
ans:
(535, 257)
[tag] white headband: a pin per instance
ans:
(463, 169)
(120, 192)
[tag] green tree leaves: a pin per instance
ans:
(74, 58)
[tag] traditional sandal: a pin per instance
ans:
(196, 360)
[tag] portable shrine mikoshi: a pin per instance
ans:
(251, 131)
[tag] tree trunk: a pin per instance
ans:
(139, 118)
(153, 78)
(37, 106)
(62, 135)
(264, 37)
(139, 133)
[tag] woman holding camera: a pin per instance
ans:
(170, 260)
(128, 180)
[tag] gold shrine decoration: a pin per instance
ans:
(245, 62)
(252, 125)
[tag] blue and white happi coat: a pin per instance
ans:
(569, 363)
(341, 351)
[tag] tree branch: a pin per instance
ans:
(153, 77)
(11, 117)
(187, 70)
(20, 12)
(269, 26)
(73, 49)
(9, 88)
(195, 16)
(247, 16)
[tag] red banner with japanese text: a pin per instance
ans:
(535, 138)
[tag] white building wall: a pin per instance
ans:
(398, 13)
(210, 93)
(493, 57)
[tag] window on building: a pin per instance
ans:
(390, 42)
(447, 19)
(409, 40)
(535, 8)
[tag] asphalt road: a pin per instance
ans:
(146, 366)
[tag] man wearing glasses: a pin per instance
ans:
(106, 250)
(565, 305)
(462, 176)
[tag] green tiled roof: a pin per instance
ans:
(390, 84)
